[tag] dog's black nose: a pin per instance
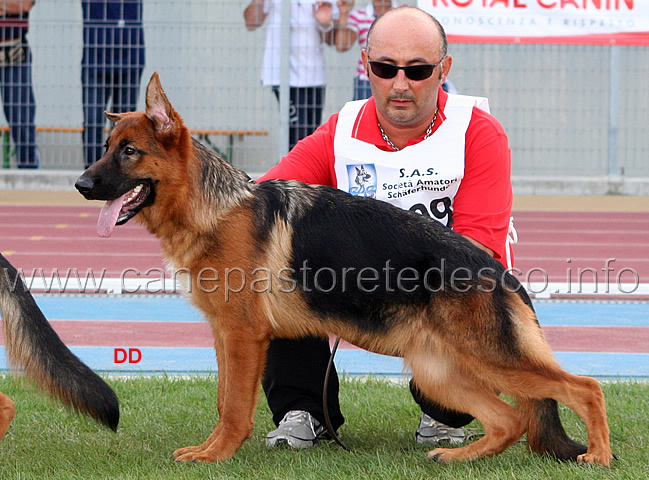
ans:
(84, 184)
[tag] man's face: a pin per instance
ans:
(403, 39)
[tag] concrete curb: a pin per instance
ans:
(56, 187)
(546, 185)
(47, 180)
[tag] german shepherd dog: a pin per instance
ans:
(281, 259)
(33, 346)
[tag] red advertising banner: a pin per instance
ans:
(594, 22)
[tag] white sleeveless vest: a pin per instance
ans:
(423, 178)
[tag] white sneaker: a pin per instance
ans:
(432, 432)
(298, 429)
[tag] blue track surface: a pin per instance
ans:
(175, 308)
(181, 360)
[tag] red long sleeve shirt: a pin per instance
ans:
(482, 205)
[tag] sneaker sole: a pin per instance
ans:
(294, 443)
(430, 441)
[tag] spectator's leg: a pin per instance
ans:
(95, 95)
(20, 109)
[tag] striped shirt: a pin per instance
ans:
(359, 21)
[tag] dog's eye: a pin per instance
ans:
(129, 151)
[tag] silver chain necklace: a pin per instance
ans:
(394, 147)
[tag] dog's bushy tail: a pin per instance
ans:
(545, 433)
(33, 346)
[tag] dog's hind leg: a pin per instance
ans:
(456, 390)
(581, 394)
(241, 360)
(502, 423)
(7, 413)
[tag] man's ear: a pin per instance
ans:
(446, 67)
(364, 58)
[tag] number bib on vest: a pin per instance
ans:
(423, 178)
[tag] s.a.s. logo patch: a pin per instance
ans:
(362, 180)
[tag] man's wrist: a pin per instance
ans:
(324, 28)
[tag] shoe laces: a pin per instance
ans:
(299, 416)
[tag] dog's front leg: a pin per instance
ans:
(241, 359)
(7, 413)
(222, 387)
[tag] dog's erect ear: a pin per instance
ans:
(158, 108)
(114, 117)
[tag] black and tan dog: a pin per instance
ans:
(33, 346)
(284, 259)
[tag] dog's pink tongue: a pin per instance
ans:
(108, 217)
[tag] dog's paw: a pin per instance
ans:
(441, 455)
(183, 451)
(193, 457)
(203, 455)
(594, 459)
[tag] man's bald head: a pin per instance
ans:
(412, 14)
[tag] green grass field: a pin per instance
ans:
(161, 414)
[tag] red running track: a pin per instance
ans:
(569, 244)
(62, 238)
(104, 333)
(558, 245)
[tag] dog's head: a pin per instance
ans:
(129, 173)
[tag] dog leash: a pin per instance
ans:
(325, 406)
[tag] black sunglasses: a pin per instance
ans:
(413, 72)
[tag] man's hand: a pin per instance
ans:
(344, 37)
(323, 13)
(345, 7)
(254, 14)
(15, 8)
